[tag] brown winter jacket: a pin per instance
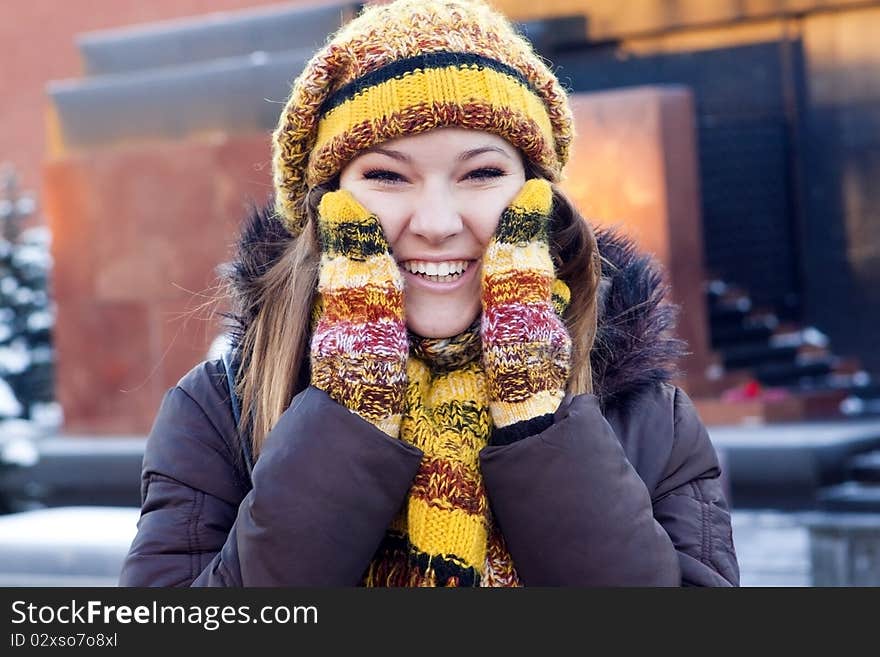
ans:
(623, 488)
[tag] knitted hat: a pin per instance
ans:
(408, 67)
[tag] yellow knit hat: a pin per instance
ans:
(408, 67)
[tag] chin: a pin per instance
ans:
(437, 329)
(440, 324)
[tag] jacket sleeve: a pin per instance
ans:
(689, 502)
(325, 488)
(575, 512)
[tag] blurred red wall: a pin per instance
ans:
(137, 235)
(39, 44)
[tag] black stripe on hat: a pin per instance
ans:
(401, 67)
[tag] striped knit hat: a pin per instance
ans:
(408, 67)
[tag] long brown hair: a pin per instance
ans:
(274, 349)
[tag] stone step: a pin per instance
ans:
(719, 292)
(865, 468)
(784, 465)
(220, 35)
(849, 496)
(752, 355)
(752, 330)
(858, 405)
(780, 407)
(227, 96)
(729, 312)
(71, 470)
(789, 373)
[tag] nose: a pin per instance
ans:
(436, 216)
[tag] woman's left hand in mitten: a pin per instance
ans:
(526, 346)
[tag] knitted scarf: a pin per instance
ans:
(444, 534)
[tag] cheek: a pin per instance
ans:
(390, 211)
(392, 225)
(484, 221)
(485, 209)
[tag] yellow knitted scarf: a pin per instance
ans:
(444, 534)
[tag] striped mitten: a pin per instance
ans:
(526, 347)
(359, 343)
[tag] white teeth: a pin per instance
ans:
(450, 267)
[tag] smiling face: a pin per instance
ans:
(439, 196)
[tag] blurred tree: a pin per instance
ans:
(26, 311)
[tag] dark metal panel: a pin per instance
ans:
(842, 230)
(743, 152)
(744, 178)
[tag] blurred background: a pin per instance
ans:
(736, 140)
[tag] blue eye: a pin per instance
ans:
(383, 175)
(485, 173)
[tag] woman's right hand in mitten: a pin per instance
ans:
(359, 344)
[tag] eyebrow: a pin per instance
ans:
(397, 155)
(403, 157)
(483, 149)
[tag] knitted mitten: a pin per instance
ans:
(526, 347)
(359, 344)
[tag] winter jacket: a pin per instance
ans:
(623, 489)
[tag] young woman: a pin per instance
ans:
(441, 376)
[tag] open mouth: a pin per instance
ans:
(437, 272)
